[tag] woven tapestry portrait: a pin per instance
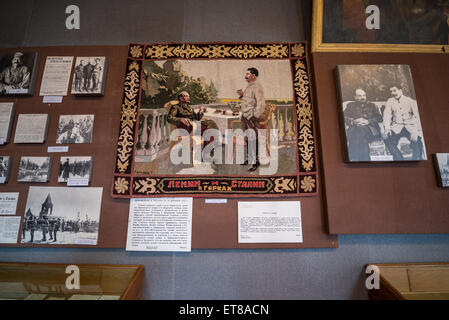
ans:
(216, 119)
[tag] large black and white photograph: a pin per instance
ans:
(5, 168)
(18, 71)
(441, 161)
(89, 76)
(61, 215)
(75, 129)
(75, 168)
(34, 169)
(379, 113)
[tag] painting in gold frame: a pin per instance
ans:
(405, 26)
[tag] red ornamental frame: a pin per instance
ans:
(127, 184)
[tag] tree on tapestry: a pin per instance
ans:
(376, 81)
(163, 83)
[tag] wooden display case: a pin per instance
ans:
(37, 281)
(412, 281)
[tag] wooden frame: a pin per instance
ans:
(319, 46)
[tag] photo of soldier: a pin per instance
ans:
(66, 215)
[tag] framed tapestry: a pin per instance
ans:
(381, 26)
(216, 119)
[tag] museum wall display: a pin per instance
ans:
(77, 140)
(372, 207)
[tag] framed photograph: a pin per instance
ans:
(59, 215)
(380, 26)
(34, 169)
(74, 168)
(18, 72)
(5, 168)
(89, 77)
(379, 113)
(75, 129)
(441, 161)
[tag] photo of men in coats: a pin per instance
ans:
(75, 168)
(89, 75)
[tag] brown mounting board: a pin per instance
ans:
(386, 198)
(214, 225)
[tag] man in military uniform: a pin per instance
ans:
(43, 224)
(29, 224)
(79, 76)
(53, 228)
(15, 76)
(182, 115)
(88, 69)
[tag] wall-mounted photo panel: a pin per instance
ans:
(72, 168)
(5, 168)
(75, 128)
(379, 113)
(34, 169)
(441, 161)
(18, 72)
(59, 215)
(89, 77)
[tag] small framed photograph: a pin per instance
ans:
(18, 72)
(75, 168)
(34, 169)
(89, 77)
(441, 161)
(75, 129)
(5, 168)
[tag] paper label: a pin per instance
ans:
(2, 141)
(8, 202)
(77, 182)
(160, 224)
(15, 91)
(216, 200)
(381, 158)
(2, 179)
(52, 99)
(92, 242)
(269, 222)
(9, 229)
(58, 149)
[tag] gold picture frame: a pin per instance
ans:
(319, 46)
